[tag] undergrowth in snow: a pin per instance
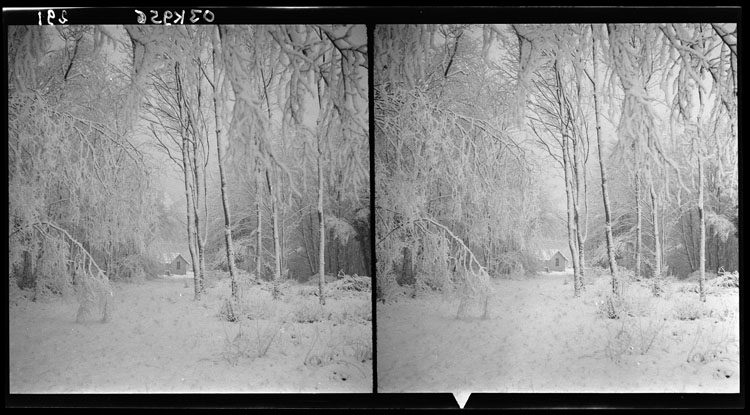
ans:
(161, 340)
(540, 338)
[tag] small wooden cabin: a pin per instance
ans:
(552, 260)
(174, 263)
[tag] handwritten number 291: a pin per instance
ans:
(51, 16)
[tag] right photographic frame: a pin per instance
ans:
(556, 207)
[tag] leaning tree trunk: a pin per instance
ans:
(603, 169)
(702, 218)
(218, 116)
(276, 245)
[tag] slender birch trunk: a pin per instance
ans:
(321, 221)
(187, 169)
(702, 218)
(657, 237)
(200, 242)
(580, 192)
(189, 203)
(308, 248)
(638, 225)
(572, 243)
(602, 168)
(220, 142)
(259, 235)
(276, 245)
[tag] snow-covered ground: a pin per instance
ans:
(541, 339)
(161, 340)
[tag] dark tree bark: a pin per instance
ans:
(685, 243)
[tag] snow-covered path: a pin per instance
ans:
(541, 339)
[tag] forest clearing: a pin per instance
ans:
(554, 203)
(162, 342)
(234, 156)
(539, 338)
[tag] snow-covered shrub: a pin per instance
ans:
(96, 300)
(348, 312)
(138, 267)
(387, 289)
(229, 311)
(714, 283)
(635, 335)
(696, 275)
(52, 276)
(259, 308)
(308, 311)
(690, 310)
(514, 264)
(727, 279)
(658, 286)
(611, 307)
(252, 341)
(350, 283)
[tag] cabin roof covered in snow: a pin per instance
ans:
(168, 257)
(547, 254)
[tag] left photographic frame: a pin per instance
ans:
(189, 204)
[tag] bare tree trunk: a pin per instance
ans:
(321, 247)
(308, 249)
(580, 192)
(688, 251)
(718, 244)
(602, 168)
(363, 238)
(572, 243)
(638, 221)
(259, 236)
(218, 116)
(190, 206)
(702, 218)
(282, 243)
(199, 242)
(692, 238)
(276, 245)
(657, 237)
(663, 232)
(187, 169)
